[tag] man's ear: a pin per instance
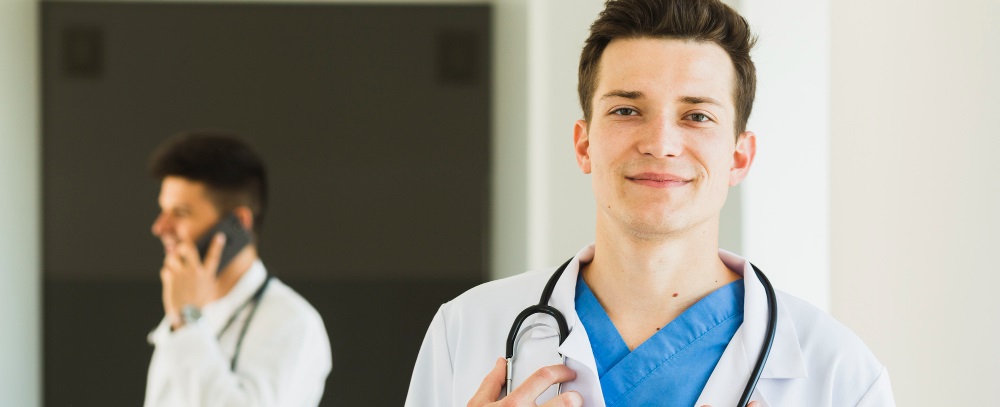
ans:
(581, 143)
(746, 149)
(245, 216)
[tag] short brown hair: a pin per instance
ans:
(697, 20)
(232, 171)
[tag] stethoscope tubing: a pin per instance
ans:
(252, 302)
(543, 308)
(765, 348)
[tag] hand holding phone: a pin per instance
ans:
(236, 239)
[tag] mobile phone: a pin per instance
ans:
(236, 239)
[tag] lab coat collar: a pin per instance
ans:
(785, 360)
(241, 291)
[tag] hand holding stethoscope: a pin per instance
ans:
(488, 394)
(525, 394)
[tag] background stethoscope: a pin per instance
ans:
(252, 302)
(543, 307)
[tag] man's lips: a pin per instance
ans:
(658, 180)
(169, 243)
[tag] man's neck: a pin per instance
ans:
(645, 283)
(234, 271)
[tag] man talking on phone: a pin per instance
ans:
(232, 335)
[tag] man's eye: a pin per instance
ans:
(699, 117)
(624, 111)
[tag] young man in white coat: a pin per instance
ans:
(656, 313)
(233, 335)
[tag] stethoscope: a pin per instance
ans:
(543, 307)
(252, 302)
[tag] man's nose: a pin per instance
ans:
(662, 138)
(160, 225)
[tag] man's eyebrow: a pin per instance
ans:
(627, 94)
(697, 100)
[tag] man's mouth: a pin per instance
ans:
(658, 179)
(169, 244)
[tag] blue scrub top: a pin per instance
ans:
(671, 367)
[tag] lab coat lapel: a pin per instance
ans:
(785, 361)
(576, 348)
(577, 344)
(725, 385)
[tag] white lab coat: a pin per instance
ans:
(283, 362)
(815, 361)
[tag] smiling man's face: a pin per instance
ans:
(660, 144)
(186, 212)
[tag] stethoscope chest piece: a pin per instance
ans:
(542, 307)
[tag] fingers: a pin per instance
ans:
(214, 255)
(186, 256)
(539, 381)
(172, 263)
(567, 399)
(167, 278)
(169, 308)
(186, 280)
(527, 392)
(489, 391)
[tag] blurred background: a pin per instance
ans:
(418, 148)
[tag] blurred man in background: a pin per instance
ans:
(233, 335)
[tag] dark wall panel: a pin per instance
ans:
(373, 120)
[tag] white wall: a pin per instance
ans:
(509, 186)
(543, 209)
(561, 209)
(20, 275)
(786, 197)
(915, 198)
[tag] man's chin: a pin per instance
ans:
(658, 225)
